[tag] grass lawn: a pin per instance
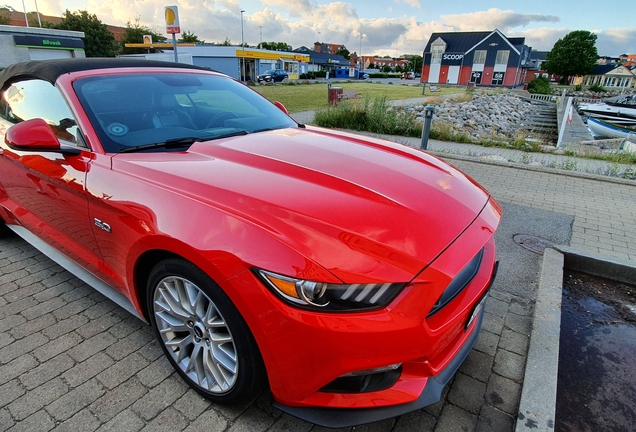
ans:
(305, 97)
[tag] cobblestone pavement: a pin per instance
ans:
(71, 360)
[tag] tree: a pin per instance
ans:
(344, 52)
(386, 68)
(98, 40)
(371, 66)
(574, 55)
(415, 63)
(226, 42)
(134, 33)
(398, 68)
(276, 46)
(189, 37)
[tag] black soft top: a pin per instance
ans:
(50, 70)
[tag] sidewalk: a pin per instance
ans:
(547, 160)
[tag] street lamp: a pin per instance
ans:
(360, 62)
(242, 50)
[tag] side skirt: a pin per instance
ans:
(77, 270)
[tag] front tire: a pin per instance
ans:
(203, 335)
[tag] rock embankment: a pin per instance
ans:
(482, 117)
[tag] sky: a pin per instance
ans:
(380, 27)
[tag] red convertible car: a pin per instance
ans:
(347, 273)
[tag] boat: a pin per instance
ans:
(619, 113)
(601, 129)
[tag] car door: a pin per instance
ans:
(44, 191)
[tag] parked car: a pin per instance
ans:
(346, 272)
(408, 75)
(273, 75)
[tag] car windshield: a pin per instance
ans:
(269, 72)
(141, 110)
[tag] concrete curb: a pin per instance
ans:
(598, 265)
(538, 396)
(578, 174)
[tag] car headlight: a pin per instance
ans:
(331, 297)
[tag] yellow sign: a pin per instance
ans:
(147, 39)
(172, 19)
(271, 56)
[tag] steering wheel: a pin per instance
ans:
(217, 120)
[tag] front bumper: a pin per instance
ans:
(305, 351)
(349, 417)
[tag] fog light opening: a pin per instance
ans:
(365, 380)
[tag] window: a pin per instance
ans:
(29, 99)
(480, 57)
(437, 51)
(502, 57)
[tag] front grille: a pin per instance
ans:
(458, 284)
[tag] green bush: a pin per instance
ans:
(377, 117)
(539, 85)
(597, 88)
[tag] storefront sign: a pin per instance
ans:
(52, 42)
(172, 20)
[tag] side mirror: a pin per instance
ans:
(35, 135)
(281, 107)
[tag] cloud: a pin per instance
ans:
(297, 8)
(494, 18)
(412, 3)
(612, 42)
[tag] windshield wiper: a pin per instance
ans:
(180, 142)
(168, 144)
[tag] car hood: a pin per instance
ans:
(353, 205)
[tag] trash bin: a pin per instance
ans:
(335, 95)
(471, 86)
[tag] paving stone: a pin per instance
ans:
(151, 351)
(514, 342)
(155, 372)
(126, 327)
(265, 403)
(64, 326)
(521, 306)
(32, 326)
(83, 421)
(17, 367)
(493, 420)
(57, 346)
(5, 339)
(77, 293)
(122, 370)
(11, 321)
(91, 346)
(17, 307)
(252, 420)
(73, 401)
(43, 308)
(82, 372)
(101, 308)
(467, 393)
(169, 420)
(492, 323)
(496, 307)
(455, 419)
(192, 404)
(381, 426)
(209, 421)
(23, 292)
(436, 409)
(477, 365)
(6, 422)
(503, 394)
(125, 421)
(416, 421)
(37, 398)
(73, 308)
(99, 325)
(518, 323)
(287, 423)
(159, 398)
(40, 422)
(509, 365)
(21, 347)
(118, 399)
(128, 344)
(10, 391)
(46, 371)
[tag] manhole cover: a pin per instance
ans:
(533, 243)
